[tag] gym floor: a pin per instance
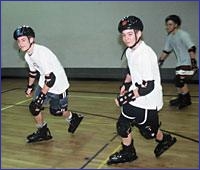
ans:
(95, 139)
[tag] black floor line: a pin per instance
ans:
(99, 151)
(96, 92)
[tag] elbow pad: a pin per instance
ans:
(192, 49)
(145, 88)
(32, 74)
(166, 52)
(50, 80)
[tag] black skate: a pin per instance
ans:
(164, 145)
(127, 154)
(41, 134)
(74, 122)
(185, 101)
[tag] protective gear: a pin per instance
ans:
(145, 88)
(123, 129)
(126, 154)
(50, 80)
(179, 81)
(36, 105)
(160, 62)
(192, 49)
(34, 109)
(57, 112)
(126, 98)
(29, 87)
(41, 134)
(74, 122)
(40, 99)
(130, 22)
(32, 74)
(166, 52)
(23, 31)
(176, 19)
(147, 132)
(165, 144)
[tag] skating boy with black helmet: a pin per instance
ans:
(180, 43)
(140, 96)
(53, 84)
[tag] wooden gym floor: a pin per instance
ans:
(96, 137)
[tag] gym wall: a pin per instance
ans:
(84, 35)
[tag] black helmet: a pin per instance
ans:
(130, 22)
(175, 18)
(23, 31)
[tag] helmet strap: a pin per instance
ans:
(137, 41)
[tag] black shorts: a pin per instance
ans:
(139, 117)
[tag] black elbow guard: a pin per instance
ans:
(32, 74)
(192, 49)
(146, 87)
(50, 80)
(166, 52)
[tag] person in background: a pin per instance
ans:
(179, 42)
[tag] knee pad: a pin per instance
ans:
(56, 111)
(34, 109)
(123, 128)
(148, 132)
(179, 82)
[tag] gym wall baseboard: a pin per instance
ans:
(167, 74)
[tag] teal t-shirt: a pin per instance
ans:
(179, 43)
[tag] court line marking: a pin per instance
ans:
(18, 103)
(104, 161)
(92, 97)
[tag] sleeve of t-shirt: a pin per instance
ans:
(187, 40)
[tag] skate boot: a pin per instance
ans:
(185, 100)
(176, 101)
(74, 122)
(127, 154)
(165, 144)
(41, 134)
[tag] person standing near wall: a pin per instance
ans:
(140, 96)
(53, 84)
(180, 43)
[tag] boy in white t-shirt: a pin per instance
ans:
(140, 96)
(52, 86)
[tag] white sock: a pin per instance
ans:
(41, 125)
(69, 118)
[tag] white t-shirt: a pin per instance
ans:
(45, 61)
(143, 65)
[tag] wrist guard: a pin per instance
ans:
(40, 99)
(126, 98)
(29, 87)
